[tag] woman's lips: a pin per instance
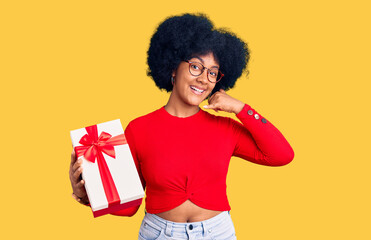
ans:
(197, 90)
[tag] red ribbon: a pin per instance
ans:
(92, 149)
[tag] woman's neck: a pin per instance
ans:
(180, 109)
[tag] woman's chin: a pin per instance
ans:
(195, 102)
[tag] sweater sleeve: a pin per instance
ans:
(259, 141)
(130, 139)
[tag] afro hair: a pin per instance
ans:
(180, 38)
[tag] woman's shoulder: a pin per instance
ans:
(219, 118)
(223, 125)
(146, 119)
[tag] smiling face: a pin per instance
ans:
(192, 90)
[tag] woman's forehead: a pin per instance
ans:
(206, 59)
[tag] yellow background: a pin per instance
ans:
(69, 64)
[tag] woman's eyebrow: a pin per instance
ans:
(202, 61)
(199, 59)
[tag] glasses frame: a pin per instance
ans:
(202, 71)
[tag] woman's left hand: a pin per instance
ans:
(221, 101)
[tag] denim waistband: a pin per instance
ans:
(170, 226)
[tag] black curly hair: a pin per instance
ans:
(181, 37)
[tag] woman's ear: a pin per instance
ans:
(173, 77)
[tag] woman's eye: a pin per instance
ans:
(214, 74)
(195, 67)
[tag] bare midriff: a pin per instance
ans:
(188, 212)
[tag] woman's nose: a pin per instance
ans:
(203, 77)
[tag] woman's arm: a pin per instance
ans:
(128, 212)
(257, 140)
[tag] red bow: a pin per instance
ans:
(92, 149)
(92, 144)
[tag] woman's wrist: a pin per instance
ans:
(239, 107)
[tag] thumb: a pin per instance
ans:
(211, 106)
(222, 90)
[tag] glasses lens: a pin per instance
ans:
(214, 74)
(195, 69)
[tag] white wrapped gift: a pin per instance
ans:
(111, 178)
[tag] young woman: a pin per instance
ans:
(182, 152)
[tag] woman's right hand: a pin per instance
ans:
(78, 188)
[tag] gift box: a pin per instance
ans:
(111, 178)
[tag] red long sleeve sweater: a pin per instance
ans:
(188, 158)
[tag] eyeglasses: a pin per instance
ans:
(213, 74)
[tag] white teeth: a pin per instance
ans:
(198, 90)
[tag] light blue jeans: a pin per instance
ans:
(219, 227)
